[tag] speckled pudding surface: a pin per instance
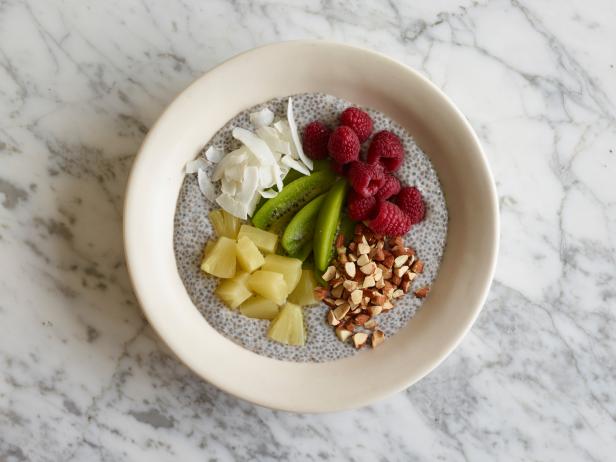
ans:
(192, 230)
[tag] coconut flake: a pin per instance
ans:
(235, 172)
(268, 193)
(233, 158)
(193, 166)
(262, 118)
(298, 145)
(278, 176)
(229, 186)
(206, 186)
(249, 185)
(235, 208)
(294, 164)
(255, 144)
(214, 155)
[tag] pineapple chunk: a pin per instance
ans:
(224, 223)
(269, 284)
(304, 292)
(265, 240)
(290, 268)
(220, 260)
(259, 308)
(288, 326)
(248, 255)
(208, 248)
(233, 292)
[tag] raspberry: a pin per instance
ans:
(316, 136)
(386, 149)
(359, 121)
(390, 187)
(360, 208)
(366, 179)
(343, 145)
(390, 220)
(410, 201)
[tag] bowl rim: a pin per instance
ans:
(451, 343)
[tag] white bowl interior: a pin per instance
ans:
(365, 78)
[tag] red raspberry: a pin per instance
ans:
(360, 208)
(386, 149)
(390, 187)
(359, 121)
(343, 145)
(316, 136)
(390, 220)
(410, 201)
(366, 179)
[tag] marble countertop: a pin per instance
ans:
(83, 377)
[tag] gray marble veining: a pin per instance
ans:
(82, 376)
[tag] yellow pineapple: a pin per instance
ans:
(224, 223)
(290, 268)
(269, 284)
(233, 292)
(288, 326)
(264, 240)
(304, 292)
(220, 260)
(248, 255)
(259, 308)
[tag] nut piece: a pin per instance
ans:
(361, 319)
(388, 261)
(400, 260)
(370, 324)
(342, 333)
(363, 248)
(387, 306)
(350, 285)
(331, 319)
(337, 291)
(397, 293)
(378, 337)
(340, 241)
(405, 286)
(423, 292)
(350, 269)
(341, 311)
(330, 302)
(369, 282)
(329, 274)
(368, 268)
(359, 339)
(417, 267)
(363, 260)
(375, 310)
(401, 271)
(356, 296)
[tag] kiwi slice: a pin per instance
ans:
(327, 224)
(300, 230)
(277, 212)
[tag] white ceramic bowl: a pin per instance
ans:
(366, 78)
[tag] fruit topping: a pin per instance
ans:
(268, 284)
(359, 121)
(264, 240)
(300, 230)
(259, 308)
(361, 208)
(390, 220)
(234, 291)
(224, 223)
(387, 150)
(220, 260)
(410, 201)
(390, 187)
(248, 255)
(304, 292)
(327, 224)
(281, 209)
(343, 145)
(288, 326)
(290, 268)
(316, 136)
(366, 179)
